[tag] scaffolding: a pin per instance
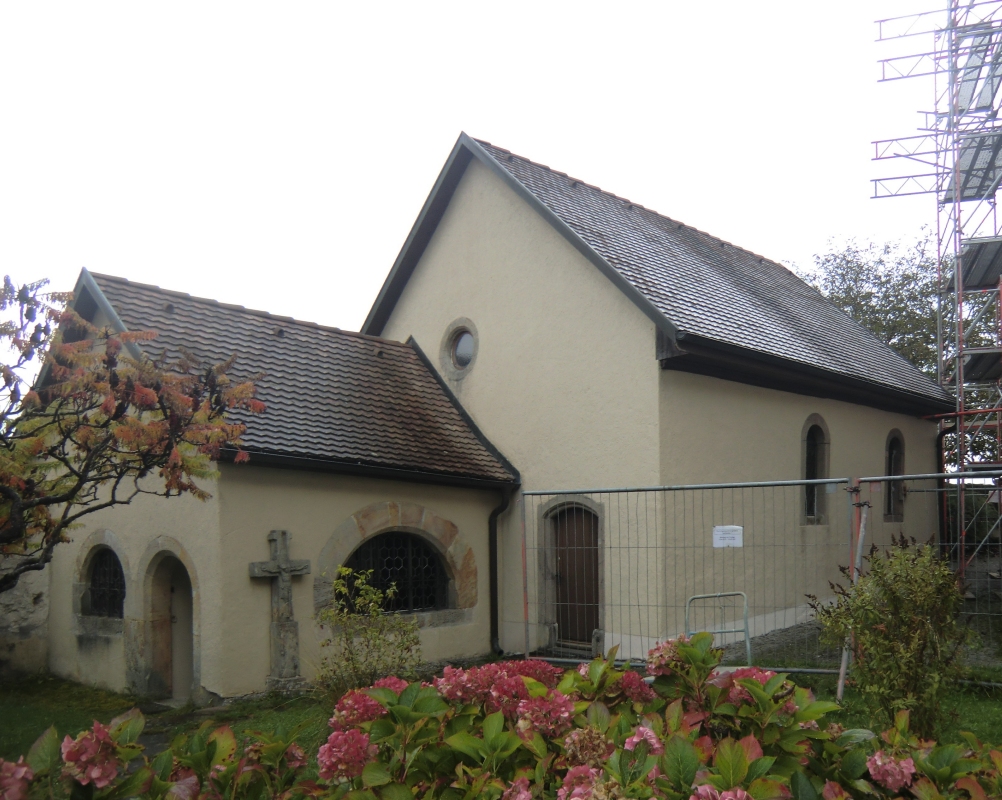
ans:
(957, 157)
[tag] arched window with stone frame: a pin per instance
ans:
(815, 446)
(894, 496)
(412, 566)
(105, 592)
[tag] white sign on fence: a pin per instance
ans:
(728, 536)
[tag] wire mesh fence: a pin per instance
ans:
(631, 567)
(620, 567)
(973, 545)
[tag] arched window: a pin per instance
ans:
(894, 500)
(815, 458)
(410, 564)
(106, 586)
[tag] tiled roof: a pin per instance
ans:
(331, 395)
(712, 289)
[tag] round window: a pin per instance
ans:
(462, 349)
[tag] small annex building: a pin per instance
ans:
(535, 333)
(363, 453)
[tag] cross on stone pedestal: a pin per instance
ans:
(284, 628)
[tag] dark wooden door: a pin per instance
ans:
(575, 541)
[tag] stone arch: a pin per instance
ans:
(894, 464)
(814, 509)
(441, 533)
(139, 646)
(99, 540)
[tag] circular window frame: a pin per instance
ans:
(453, 331)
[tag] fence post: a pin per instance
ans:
(525, 582)
(856, 566)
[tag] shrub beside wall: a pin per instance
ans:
(901, 622)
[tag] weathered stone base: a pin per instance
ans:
(285, 649)
(295, 685)
(24, 616)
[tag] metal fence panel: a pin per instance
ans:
(617, 567)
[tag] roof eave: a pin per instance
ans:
(702, 355)
(86, 281)
(260, 458)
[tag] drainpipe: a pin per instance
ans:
(941, 485)
(492, 546)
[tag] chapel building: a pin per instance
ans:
(535, 333)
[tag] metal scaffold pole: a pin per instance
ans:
(959, 152)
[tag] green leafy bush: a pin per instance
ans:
(901, 623)
(525, 730)
(364, 641)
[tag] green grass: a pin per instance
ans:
(969, 708)
(30, 705)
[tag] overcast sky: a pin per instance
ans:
(276, 154)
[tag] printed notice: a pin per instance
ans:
(728, 536)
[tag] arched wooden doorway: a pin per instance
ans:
(172, 628)
(575, 532)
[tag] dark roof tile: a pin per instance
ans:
(710, 288)
(331, 395)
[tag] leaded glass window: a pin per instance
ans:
(410, 564)
(107, 585)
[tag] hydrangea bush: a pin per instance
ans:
(525, 730)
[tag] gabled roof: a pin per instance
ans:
(335, 400)
(721, 310)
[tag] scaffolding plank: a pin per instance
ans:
(980, 167)
(982, 262)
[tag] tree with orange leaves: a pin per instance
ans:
(84, 426)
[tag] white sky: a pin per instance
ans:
(276, 154)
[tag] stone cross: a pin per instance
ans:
(284, 628)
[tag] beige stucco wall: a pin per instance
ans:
(94, 650)
(216, 540)
(719, 431)
(555, 336)
(566, 383)
(313, 507)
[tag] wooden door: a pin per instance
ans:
(161, 677)
(575, 544)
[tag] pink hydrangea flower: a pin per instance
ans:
(391, 682)
(294, 756)
(345, 755)
(645, 734)
(519, 790)
(583, 669)
(738, 694)
(833, 791)
(455, 685)
(550, 716)
(15, 778)
(579, 783)
(708, 792)
(546, 674)
(663, 658)
(889, 772)
(354, 708)
(634, 687)
(506, 694)
(91, 757)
